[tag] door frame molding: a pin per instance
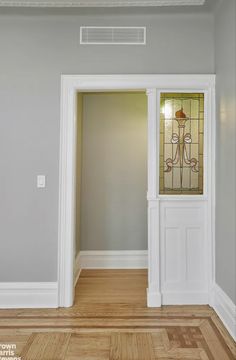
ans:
(70, 85)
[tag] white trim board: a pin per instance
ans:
(130, 259)
(98, 3)
(28, 295)
(225, 309)
(184, 298)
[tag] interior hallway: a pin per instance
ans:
(110, 320)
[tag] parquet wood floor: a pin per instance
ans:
(110, 321)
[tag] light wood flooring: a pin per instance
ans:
(110, 320)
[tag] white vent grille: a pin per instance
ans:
(97, 35)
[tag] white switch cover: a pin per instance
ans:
(41, 181)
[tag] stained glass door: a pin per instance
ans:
(181, 143)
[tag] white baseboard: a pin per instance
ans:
(184, 298)
(28, 295)
(77, 269)
(153, 298)
(131, 259)
(225, 309)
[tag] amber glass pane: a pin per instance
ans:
(181, 143)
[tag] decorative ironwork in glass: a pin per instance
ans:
(181, 143)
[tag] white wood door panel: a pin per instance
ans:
(172, 253)
(183, 213)
(195, 254)
(183, 249)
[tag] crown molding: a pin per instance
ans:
(97, 3)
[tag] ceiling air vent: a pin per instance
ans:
(98, 35)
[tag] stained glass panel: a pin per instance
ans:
(181, 143)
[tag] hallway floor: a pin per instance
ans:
(110, 320)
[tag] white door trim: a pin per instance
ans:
(70, 85)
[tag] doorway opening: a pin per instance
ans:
(111, 180)
(196, 211)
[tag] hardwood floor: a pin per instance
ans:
(110, 321)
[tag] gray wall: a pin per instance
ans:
(114, 172)
(225, 36)
(35, 50)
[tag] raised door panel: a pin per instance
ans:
(183, 252)
(195, 255)
(172, 252)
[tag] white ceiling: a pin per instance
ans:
(99, 3)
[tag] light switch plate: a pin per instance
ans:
(41, 181)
